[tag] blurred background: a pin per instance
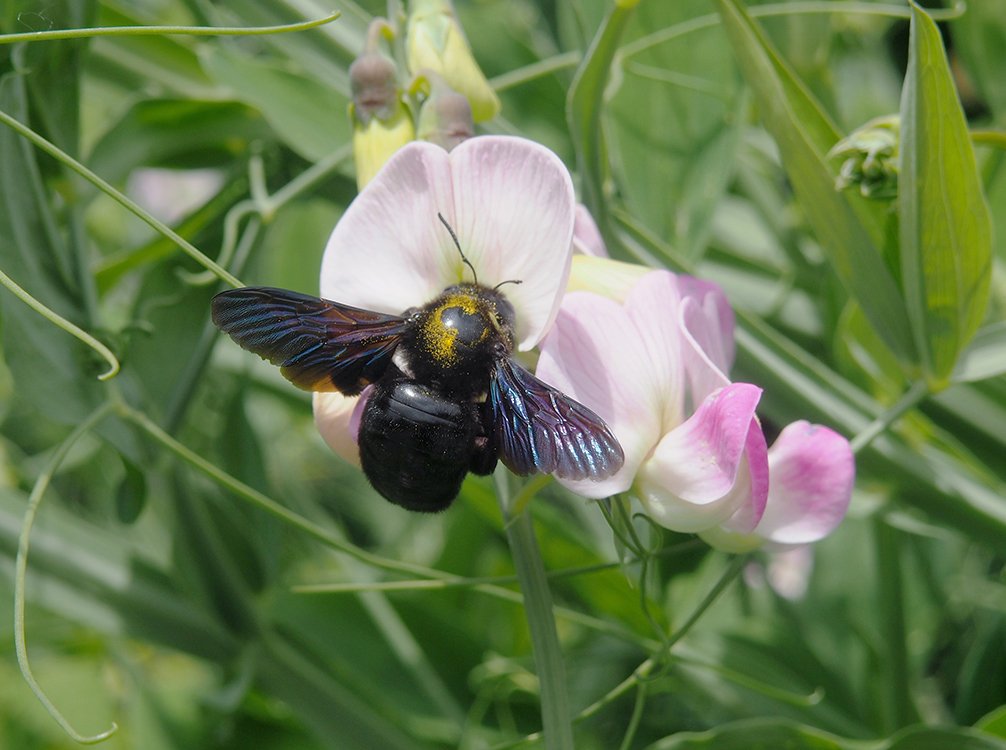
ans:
(162, 599)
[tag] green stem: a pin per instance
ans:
(637, 715)
(557, 725)
(780, 9)
(48, 36)
(64, 158)
(891, 607)
(21, 569)
(61, 322)
(915, 394)
(516, 77)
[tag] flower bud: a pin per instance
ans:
(870, 158)
(382, 123)
(374, 83)
(445, 118)
(435, 41)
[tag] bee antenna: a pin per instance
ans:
(458, 246)
(508, 281)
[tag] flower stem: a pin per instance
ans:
(48, 36)
(557, 723)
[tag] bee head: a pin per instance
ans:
(467, 324)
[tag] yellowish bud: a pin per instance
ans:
(375, 141)
(609, 278)
(435, 41)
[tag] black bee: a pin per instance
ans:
(447, 399)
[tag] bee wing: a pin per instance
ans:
(538, 428)
(320, 345)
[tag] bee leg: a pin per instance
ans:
(484, 456)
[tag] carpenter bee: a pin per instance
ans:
(447, 396)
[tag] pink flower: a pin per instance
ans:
(511, 203)
(654, 366)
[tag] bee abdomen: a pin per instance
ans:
(416, 444)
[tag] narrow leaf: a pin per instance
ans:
(946, 235)
(757, 733)
(583, 111)
(986, 357)
(851, 232)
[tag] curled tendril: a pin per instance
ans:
(21, 568)
(61, 322)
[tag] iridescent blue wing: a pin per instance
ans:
(320, 345)
(539, 429)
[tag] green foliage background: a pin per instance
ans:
(163, 571)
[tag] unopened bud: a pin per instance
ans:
(374, 83)
(445, 118)
(870, 158)
(435, 41)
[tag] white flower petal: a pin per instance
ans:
(337, 419)
(514, 212)
(389, 251)
(592, 355)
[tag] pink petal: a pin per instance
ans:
(812, 471)
(688, 483)
(514, 211)
(337, 419)
(751, 489)
(711, 321)
(587, 238)
(592, 355)
(389, 250)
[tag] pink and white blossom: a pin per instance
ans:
(653, 365)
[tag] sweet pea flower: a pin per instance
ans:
(652, 363)
(510, 202)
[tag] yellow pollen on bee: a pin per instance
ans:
(440, 339)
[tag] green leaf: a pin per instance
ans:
(946, 235)
(994, 722)
(985, 357)
(770, 734)
(51, 371)
(851, 231)
(308, 116)
(131, 495)
(176, 133)
(583, 112)
(675, 125)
